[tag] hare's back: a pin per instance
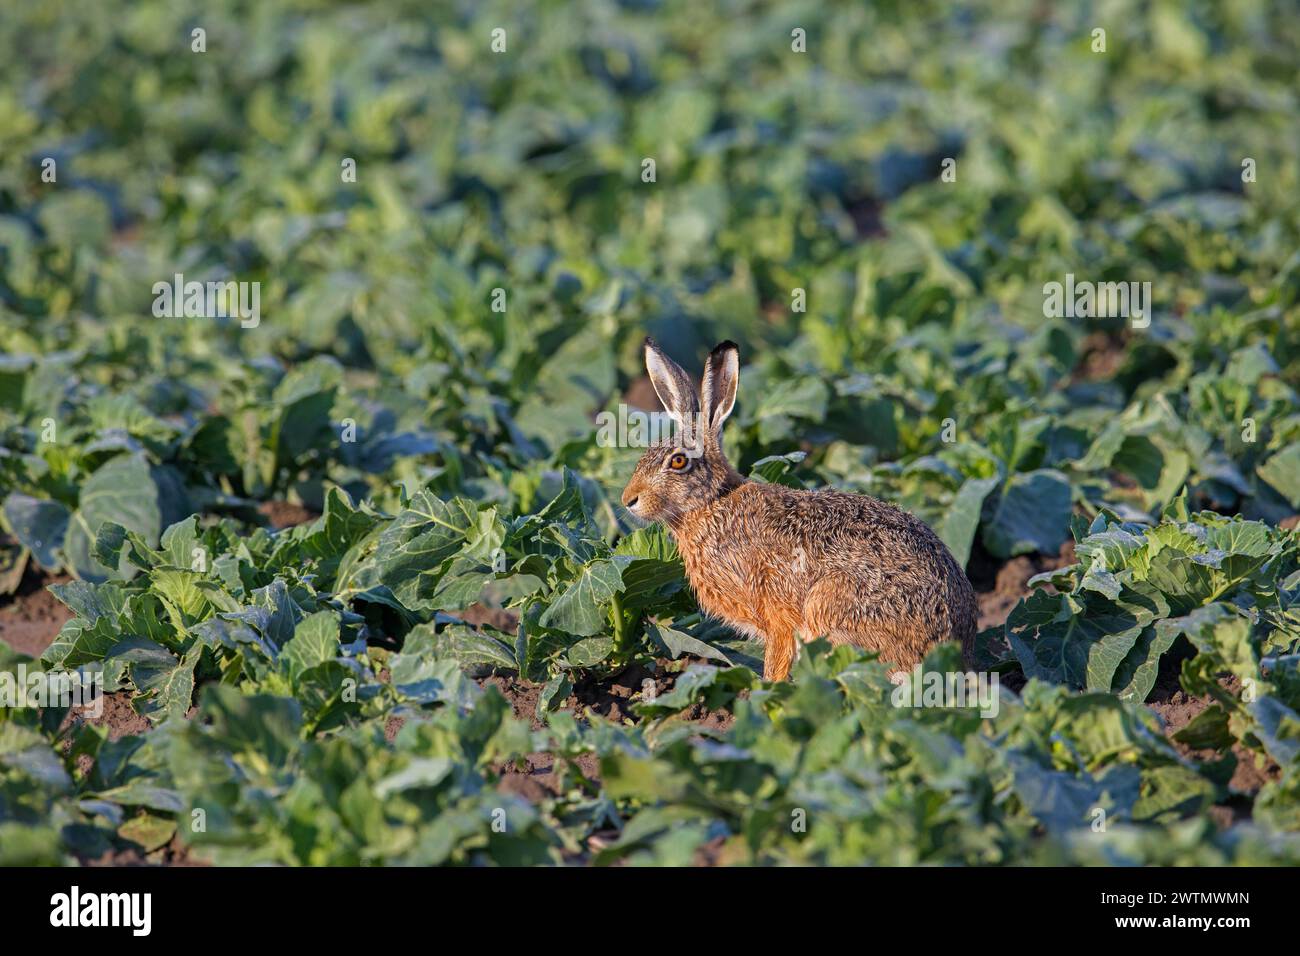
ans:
(836, 522)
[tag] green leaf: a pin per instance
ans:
(1208, 730)
(582, 608)
(1064, 802)
(1278, 728)
(957, 526)
(315, 640)
(675, 643)
(420, 675)
(1281, 471)
(555, 693)
(39, 525)
(1033, 514)
(304, 399)
(654, 575)
(1136, 674)
(168, 685)
(590, 652)
(1081, 643)
(127, 492)
(410, 550)
(149, 832)
(471, 646)
(1174, 791)
(774, 468)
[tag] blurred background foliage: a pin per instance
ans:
(775, 171)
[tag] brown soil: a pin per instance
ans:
(285, 514)
(477, 615)
(715, 720)
(522, 695)
(1249, 775)
(1103, 354)
(1177, 709)
(32, 616)
(392, 726)
(610, 697)
(122, 721)
(999, 589)
(118, 716)
(537, 776)
(174, 853)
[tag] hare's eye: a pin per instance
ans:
(678, 461)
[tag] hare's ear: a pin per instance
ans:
(672, 385)
(721, 379)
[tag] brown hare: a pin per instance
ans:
(782, 564)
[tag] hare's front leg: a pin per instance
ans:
(778, 655)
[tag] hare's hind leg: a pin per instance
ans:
(835, 609)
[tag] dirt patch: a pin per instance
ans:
(392, 726)
(523, 696)
(716, 720)
(118, 716)
(500, 618)
(540, 776)
(173, 853)
(1102, 355)
(32, 617)
(1176, 709)
(998, 588)
(285, 514)
(612, 698)
(609, 696)
(1249, 775)
(122, 721)
(531, 778)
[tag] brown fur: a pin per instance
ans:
(783, 564)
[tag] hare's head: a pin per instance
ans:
(688, 470)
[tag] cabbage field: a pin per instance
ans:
(321, 377)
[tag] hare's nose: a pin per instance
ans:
(630, 499)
